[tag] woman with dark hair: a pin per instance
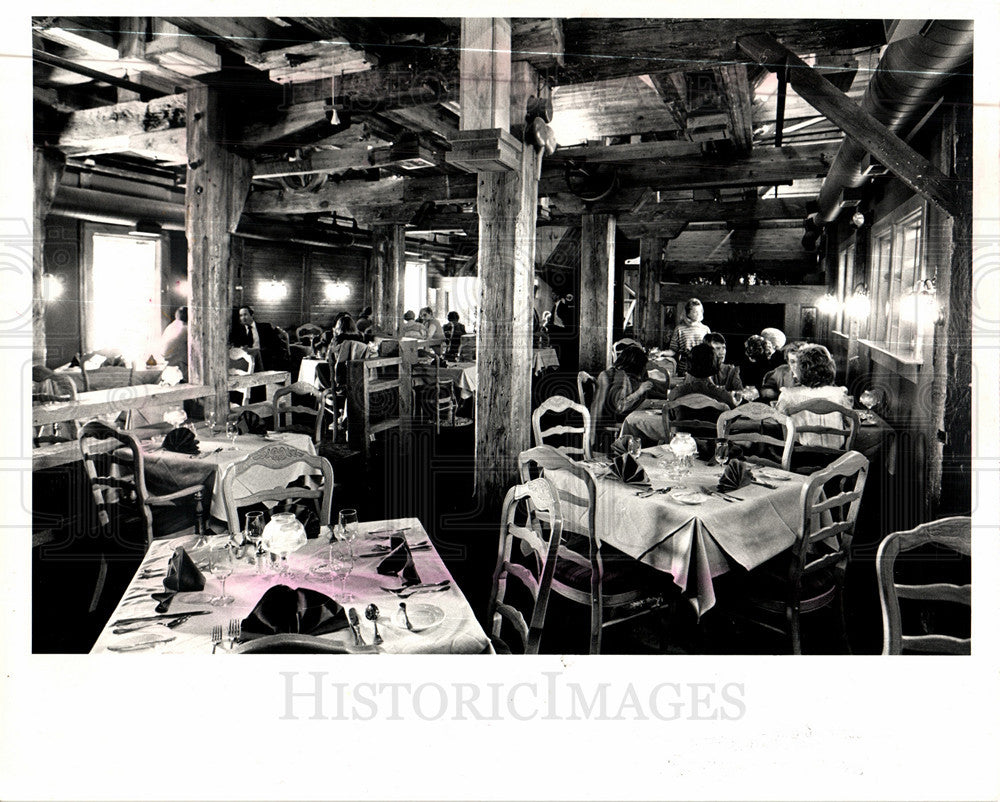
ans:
(628, 384)
(702, 366)
(453, 333)
(345, 329)
(816, 372)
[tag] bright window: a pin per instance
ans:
(897, 271)
(122, 309)
(415, 286)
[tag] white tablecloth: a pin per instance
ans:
(307, 370)
(694, 543)
(458, 633)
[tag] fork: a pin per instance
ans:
(235, 625)
(422, 586)
(407, 594)
(216, 637)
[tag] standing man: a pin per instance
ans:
(687, 334)
(728, 376)
(260, 340)
(174, 342)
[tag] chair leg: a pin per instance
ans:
(796, 629)
(102, 576)
(842, 619)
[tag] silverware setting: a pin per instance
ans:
(352, 616)
(135, 647)
(405, 593)
(723, 495)
(421, 586)
(406, 618)
(216, 637)
(121, 622)
(389, 531)
(169, 624)
(764, 484)
(371, 613)
(653, 492)
(235, 629)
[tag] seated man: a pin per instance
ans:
(453, 332)
(434, 332)
(783, 375)
(260, 340)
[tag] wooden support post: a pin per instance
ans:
(484, 69)
(647, 318)
(903, 161)
(596, 301)
(217, 185)
(385, 275)
(48, 169)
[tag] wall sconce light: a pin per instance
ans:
(337, 291)
(828, 305)
(273, 290)
(183, 288)
(858, 305)
(52, 287)
(857, 220)
(920, 305)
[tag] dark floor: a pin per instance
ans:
(433, 481)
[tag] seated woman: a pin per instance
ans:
(625, 386)
(453, 333)
(755, 365)
(816, 372)
(781, 376)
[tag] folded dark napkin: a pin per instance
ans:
(736, 475)
(250, 423)
(182, 576)
(181, 440)
(399, 560)
(619, 447)
(628, 470)
(294, 610)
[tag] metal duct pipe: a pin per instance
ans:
(110, 207)
(909, 75)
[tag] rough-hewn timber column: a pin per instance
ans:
(647, 311)
(507, 208)
(385, 273)
(217, 186)
(48, 168)
(596, 302)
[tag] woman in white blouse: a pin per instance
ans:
(816, 372)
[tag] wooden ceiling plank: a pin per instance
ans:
(903, 161)
(732, 79)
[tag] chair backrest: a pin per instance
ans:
(621, 345)
(347, 351)
(308, 333)
(275, 459)
(539, 538)
(821, 420)
(48, 386)
(240, 362)
(954, 534)
(586, 385)
(745, 426)
(830, 501)
(696, 413)
(559, 404)
(113, 462)
(284, 407)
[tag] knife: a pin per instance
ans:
(352, 616)
(124, 621)
(764, 484)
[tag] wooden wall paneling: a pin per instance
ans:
(327, 267)
(217, 185)
(263, 262)
(596, 302)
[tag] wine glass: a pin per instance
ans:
(634, 446)
(232, 431)
(341, 564)
(721, 451)
(349, 526)
(221, 565)
(212, 421)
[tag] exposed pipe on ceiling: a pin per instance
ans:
(909, 75)
(115, 208)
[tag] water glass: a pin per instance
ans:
(253, 531)
(340, 564)
(634, 446)
(221, 565)
(232, 431)
(721, 451)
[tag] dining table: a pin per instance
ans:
(307, 370)
(442, 620)
(461, 374)
(167, 471)
(684, 527)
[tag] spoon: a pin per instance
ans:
(371, 613)
(352, 615)
(406, 618)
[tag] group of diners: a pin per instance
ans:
(784, 374)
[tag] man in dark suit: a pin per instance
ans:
(260, 340)
(728, 377)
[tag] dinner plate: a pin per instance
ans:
(774, 476)
(683, 495)
(141, 641)
(422, 616)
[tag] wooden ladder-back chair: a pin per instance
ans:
(587, 571)
(557, 404)
(953, 534)
(49, 386)
(276, 459)
(754, 417)
(286, 409)
(114, 465)
(700, 415)
(810, 575)
(819, 417)
(538, 539)
(309, 334)
(241, 364)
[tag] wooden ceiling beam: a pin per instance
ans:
(732, 79)
(539, 42)
(640, 151)
(903, 161)
(331, 197)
